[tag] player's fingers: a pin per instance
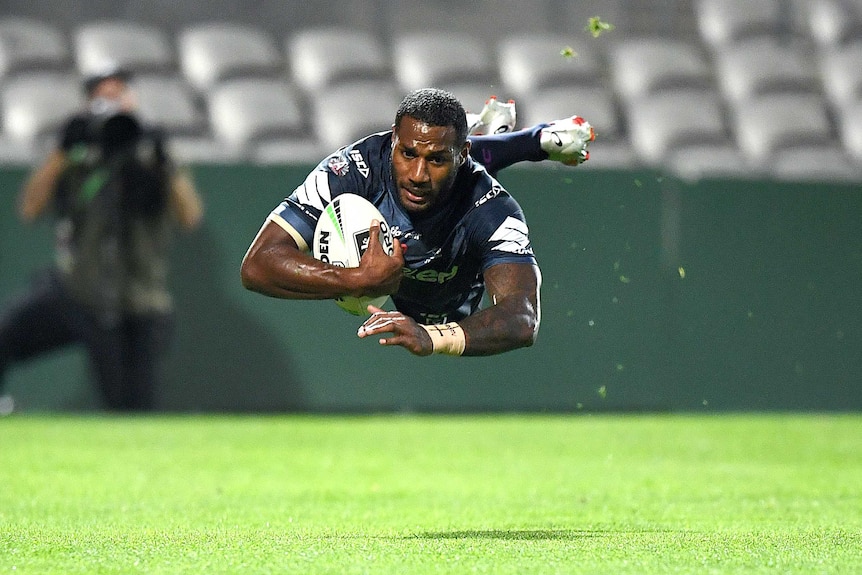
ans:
(381, 322)
(374, 231)
(398, 249)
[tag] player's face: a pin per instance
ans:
(425, 161)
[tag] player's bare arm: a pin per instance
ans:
(513, 319)
(510, 323)
(275, 266)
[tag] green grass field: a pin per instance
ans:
(431, 494)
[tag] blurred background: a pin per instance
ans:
(729, 86)
(708, 256)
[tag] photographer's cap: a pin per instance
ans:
(96, 78)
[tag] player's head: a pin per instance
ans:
(429, 144)
(110, 87)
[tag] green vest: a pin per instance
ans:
(114, 230)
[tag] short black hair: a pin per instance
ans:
(435, 107)
(93, 80)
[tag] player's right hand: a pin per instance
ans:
(381, 273)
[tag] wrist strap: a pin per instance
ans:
(447, 338)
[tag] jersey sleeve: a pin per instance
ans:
(299, 212)
(501, 234)
(500, 151)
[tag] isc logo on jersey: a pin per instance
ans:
(341, 237)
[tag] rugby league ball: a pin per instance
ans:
(341, 237)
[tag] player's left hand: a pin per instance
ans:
(405, 331)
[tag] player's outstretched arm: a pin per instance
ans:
(512, 322)
(276, 267)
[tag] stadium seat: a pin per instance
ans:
(212, 53)
(821, 164)
(841, 70)
(647, 65)
(320, 57)
(16, 153)
(133, 46)
(435, 58)
(287, 151)
(487, 20)
(661, 122)
(529, 63)
(598, 106)
(767, 124)
(186, 150)
(850, 129)
(765, 66)
(35, 105)
(473, 95)
(169, 102)
(31, 45)
(246, 111)
(350, 111)
(699, 161)
(725, 22)
(834, 22)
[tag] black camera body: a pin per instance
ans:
(115, 133)
(113, 150)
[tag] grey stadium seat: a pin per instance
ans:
(431, 59)
(765, 66)
(169, 102)
(532, 62)
(31, 45)
(133, 46)
(834, 22)
(320, 57)
(820, 164)
(767, 124)
(850, 127)
(473, 95)
(841, 71)
(698, 161)
(662, 122)
(36, 105)
(350, 111)
(244, 112)
(212, 53)
(647, 65)
(724, 22)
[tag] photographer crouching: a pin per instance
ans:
(115, 195)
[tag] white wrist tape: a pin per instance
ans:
(447, 338)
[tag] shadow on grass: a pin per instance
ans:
(511, 534)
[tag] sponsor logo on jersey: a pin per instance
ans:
(338, 165)
(397, 233)
(492, 193)
(357, 158)
(513, 237)
(431, 276)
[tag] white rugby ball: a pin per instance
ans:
(341, 237)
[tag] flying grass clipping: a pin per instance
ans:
(595, 26)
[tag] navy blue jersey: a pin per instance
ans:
(447, 251)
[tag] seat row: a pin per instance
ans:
(227, 93)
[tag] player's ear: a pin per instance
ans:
(465, 153)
